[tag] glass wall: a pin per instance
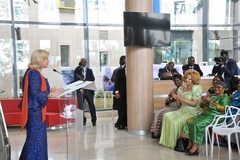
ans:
(94, 29)
(6, 59)
(186, 32)
(188, 23)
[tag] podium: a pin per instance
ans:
(72, 117)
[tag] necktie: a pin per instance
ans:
(84, 72)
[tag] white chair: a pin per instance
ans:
(227, 129)
(207, 133)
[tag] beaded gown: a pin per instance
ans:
(35, 147)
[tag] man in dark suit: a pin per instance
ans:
(121, 99)
(122, 64)
(82, 94)
(191, 65)
(114, 77)
(167, 72)
(228, 68)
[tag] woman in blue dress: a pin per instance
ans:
(235, 101)
(36, 91)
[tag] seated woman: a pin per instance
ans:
(235, 98)
(194, 128)
(170, 105)
(211, 90)
(215, 79)
(188, 98)
(235, 101)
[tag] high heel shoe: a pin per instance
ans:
(155, 136)
(193, 153)
(187, 149)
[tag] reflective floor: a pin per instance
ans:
(104, 142)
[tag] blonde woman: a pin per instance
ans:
(187, 98)
(36, 91)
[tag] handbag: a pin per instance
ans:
(181, 144)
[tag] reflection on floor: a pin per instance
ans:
(104, 142)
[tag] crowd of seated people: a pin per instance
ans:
(186, 121)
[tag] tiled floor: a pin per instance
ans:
(104, 142)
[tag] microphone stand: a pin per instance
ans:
(78, 76)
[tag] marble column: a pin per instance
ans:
(139, 62)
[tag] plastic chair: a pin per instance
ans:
(207, 133)
(227, 129)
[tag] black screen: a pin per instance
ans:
(146, 29)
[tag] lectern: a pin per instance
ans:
(73, 118)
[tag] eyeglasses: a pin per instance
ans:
(218, 87)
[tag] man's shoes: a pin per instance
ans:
(94, 124)
(120, 127)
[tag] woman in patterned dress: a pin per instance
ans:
(188, 98)
(170, 105)
(194, 128)
(36, 91)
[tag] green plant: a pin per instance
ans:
(99, 94)
(99, 103)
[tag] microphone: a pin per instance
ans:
(78, 76)
(57, 71)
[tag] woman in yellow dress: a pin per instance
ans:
(188, 98)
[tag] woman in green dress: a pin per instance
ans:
(194, 128)
(187, 98)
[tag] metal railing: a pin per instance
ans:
(5, 147)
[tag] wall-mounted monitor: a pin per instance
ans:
(146, 29)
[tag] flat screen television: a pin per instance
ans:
(146, 29)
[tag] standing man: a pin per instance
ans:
(121, 99)
(191, 65)
(229, 68)
(87, 75)
(122, 65)
(113, 79)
